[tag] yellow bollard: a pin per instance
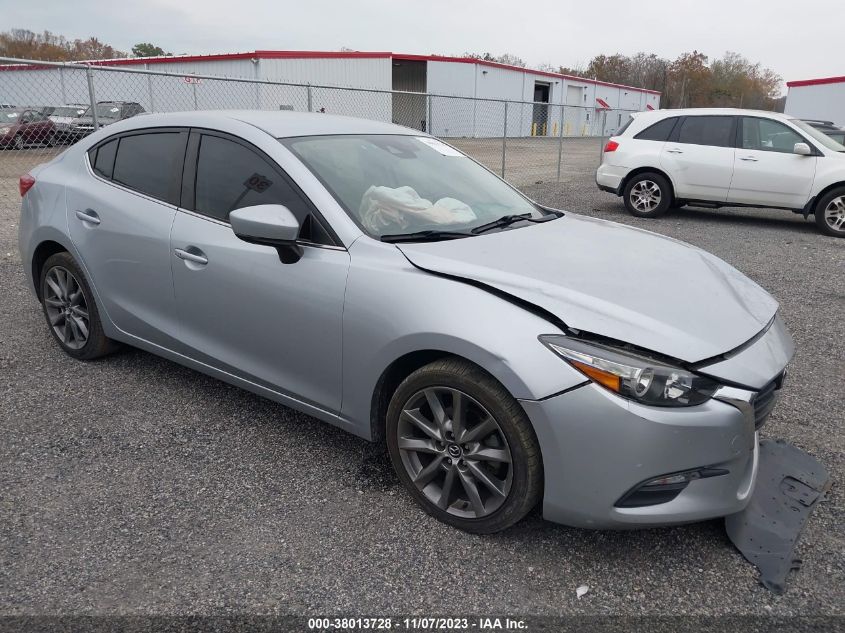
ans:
(533, 129)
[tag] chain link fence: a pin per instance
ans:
(46, 106)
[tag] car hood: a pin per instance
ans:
(616, 281)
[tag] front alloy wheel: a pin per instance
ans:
(463, 447)
(831, 215)
(455, 452)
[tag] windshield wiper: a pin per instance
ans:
(507, 220)
(424, 236)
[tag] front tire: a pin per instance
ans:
(68, 305)
(647, 195)
(830, 213)
(463, 447)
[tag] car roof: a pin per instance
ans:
(279, 124)
(712, 112)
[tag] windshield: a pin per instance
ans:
(818, 136)
(8, 116)
(105, 111)
(68, 111)
(394, 184)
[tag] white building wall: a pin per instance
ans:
(821, 101)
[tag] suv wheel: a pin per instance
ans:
(830, 213)
(18, 143)
(647, 195)
(463, 447)
(70, 309)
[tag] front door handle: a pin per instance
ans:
(748, 158)
(188, 256)
(89, 215)
(674, 150)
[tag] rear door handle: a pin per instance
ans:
(89, 215)
(748, 158)
(196, 258)
(674, 150)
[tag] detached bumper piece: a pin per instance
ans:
(789, 485)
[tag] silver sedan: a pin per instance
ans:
(378, 279)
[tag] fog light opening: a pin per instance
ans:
(664, 488)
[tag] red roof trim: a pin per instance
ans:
(484, 62)
(140, 61)
(816, 82)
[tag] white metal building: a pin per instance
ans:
(465, 80)
(822, 99)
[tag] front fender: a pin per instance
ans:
(393, 309)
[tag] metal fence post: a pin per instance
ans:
(310, 102)
(194, 91)
(150, 88)
(92, 97)
(428, 127)
(601, 134)
(560, 144)
(62, 80)
(505, 139)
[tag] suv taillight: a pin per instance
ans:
(25, 184)
(611, 146)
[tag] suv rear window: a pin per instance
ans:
(660, 131)
(717, 131)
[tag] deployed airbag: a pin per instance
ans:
(789, 485)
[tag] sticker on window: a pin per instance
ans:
(12, 115)
(439, 146)
(258, 183)
(115, 110)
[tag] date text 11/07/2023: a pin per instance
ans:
(481, 624)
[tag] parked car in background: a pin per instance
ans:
(824, 126)
(62, 117)
(837, 135)
(20, 127)
(725, 157)
(381, 280)
(108, 112)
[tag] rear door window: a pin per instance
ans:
(660, 131)
(151, 163)
(716, 131)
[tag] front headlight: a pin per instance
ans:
(639, 378)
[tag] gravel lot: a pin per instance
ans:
(135, 486)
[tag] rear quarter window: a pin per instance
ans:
(659, 131)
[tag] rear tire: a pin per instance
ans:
(70, 310)
(647, 195)
(830, 213)
(479, 471)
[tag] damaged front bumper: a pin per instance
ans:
(600, 449)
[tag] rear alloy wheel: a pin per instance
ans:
(647, 195)
(70, 310)
(463, 447)
(830, 213)
(18, 143)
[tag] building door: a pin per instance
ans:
(410, 110)
(540, 118)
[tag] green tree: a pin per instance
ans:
(145, 49)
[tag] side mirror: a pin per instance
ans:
(269, 225)
(803, 149)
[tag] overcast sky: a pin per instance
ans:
(776, 33)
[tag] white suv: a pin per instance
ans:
(725, 157)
